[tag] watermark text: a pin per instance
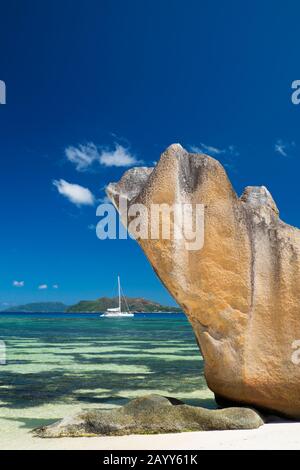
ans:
(2, 92)
(182, 223)
(2, 353)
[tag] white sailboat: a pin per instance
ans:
(117, 312)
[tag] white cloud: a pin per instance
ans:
(75, 193)
(202, 148)
(55, 286)
(82, 156)
(283, 148)
(280, 148)
(232, 151)
(119, 157)
(43, 286)
(214, 151)
(18, 283)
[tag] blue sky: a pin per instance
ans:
(134, 76)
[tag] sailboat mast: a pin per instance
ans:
(119, 290)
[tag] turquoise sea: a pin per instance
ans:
(57, 364)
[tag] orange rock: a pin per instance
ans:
(241, 291)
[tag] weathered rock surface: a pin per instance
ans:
(241, 291)
(152, 414)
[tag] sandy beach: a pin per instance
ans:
(270, 436)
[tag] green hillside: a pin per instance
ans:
(135, 305)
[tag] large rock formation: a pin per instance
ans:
(241, 291)
(151, 414)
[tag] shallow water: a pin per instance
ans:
(59, 364)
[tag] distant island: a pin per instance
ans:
(38, 307)
(135, 304)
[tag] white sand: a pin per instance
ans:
(270, 436)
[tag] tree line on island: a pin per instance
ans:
(135, 304)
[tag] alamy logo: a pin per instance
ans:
(2, 352)
(295, 357)
(295, 97)
(2, 92)
(183, 223)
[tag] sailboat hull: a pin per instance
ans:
(117, 315)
